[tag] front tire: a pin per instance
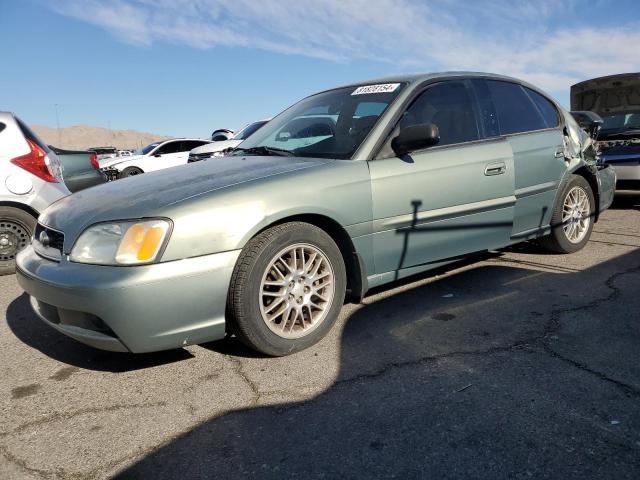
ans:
(573, 217)
(130, 172)
(287, 289)
(16, 229)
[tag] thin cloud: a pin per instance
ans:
(510, 37)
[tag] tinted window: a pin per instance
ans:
(171, 147)
(30, 135)
(447, 105)
(188, 145)
(515, 112)
(546, 108)
(2, 126)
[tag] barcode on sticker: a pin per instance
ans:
(380, 88)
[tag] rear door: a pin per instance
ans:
(447, 200)
(531, 124)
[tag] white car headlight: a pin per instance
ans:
(121, 243)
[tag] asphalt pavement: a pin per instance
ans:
(518, 364)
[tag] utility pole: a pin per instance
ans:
(58, 125)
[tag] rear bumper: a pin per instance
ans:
(138, 309)
(627, 172)
(607, 186)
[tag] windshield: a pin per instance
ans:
(248, 130)
(621, 121)
(147, 149)
(331, 124)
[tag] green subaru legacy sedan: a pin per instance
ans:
(348, 189)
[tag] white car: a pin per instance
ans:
(155, 156)
(217, 148)
(30, 180)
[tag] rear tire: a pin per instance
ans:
(16, 230)
(130, 172)
(287, 289)
(573, 217)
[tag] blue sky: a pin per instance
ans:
(185, 67)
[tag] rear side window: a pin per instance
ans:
(2, 126)
(449, 106)
(30, 135)
(547, 110)
(506, 108)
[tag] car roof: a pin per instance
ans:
(422, 77)
(178, 139)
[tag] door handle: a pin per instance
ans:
(495, 169)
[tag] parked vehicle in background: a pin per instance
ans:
(155, 156)
(80, 168)
(221, 134)
(218, 148)
(615, 98)
(30, 180)
(104, 152)
(269, 242)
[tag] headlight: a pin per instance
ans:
(121, 243)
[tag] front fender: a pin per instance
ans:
(228, 218)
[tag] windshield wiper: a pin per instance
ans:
(263, 150)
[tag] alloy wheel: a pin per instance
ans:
(576, 214)
(297, 291)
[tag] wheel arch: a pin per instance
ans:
(585, 172)
(354, 265)
(21, 206)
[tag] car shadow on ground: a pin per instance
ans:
(27, 327)
(454, 379)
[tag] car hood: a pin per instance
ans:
(215, 146)
(147, 195)
(607, 95)
(113, 162)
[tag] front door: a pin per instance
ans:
(445, 201)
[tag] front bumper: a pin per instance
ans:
(137, 309)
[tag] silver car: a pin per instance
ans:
(30, 180)
(349, 189)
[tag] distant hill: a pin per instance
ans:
(85, 136)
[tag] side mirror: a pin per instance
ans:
(415, 137)
(157, 154)
(590, 122)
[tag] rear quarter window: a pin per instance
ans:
(30, 135)
(547, 109)
(2, 126)
(515, 111)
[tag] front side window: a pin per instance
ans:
(448, 105)
(171, 147)
(514, 111)
(331, 124)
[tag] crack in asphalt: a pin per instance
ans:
(553, 325)
(42, 473)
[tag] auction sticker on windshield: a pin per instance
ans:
(380, 88)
